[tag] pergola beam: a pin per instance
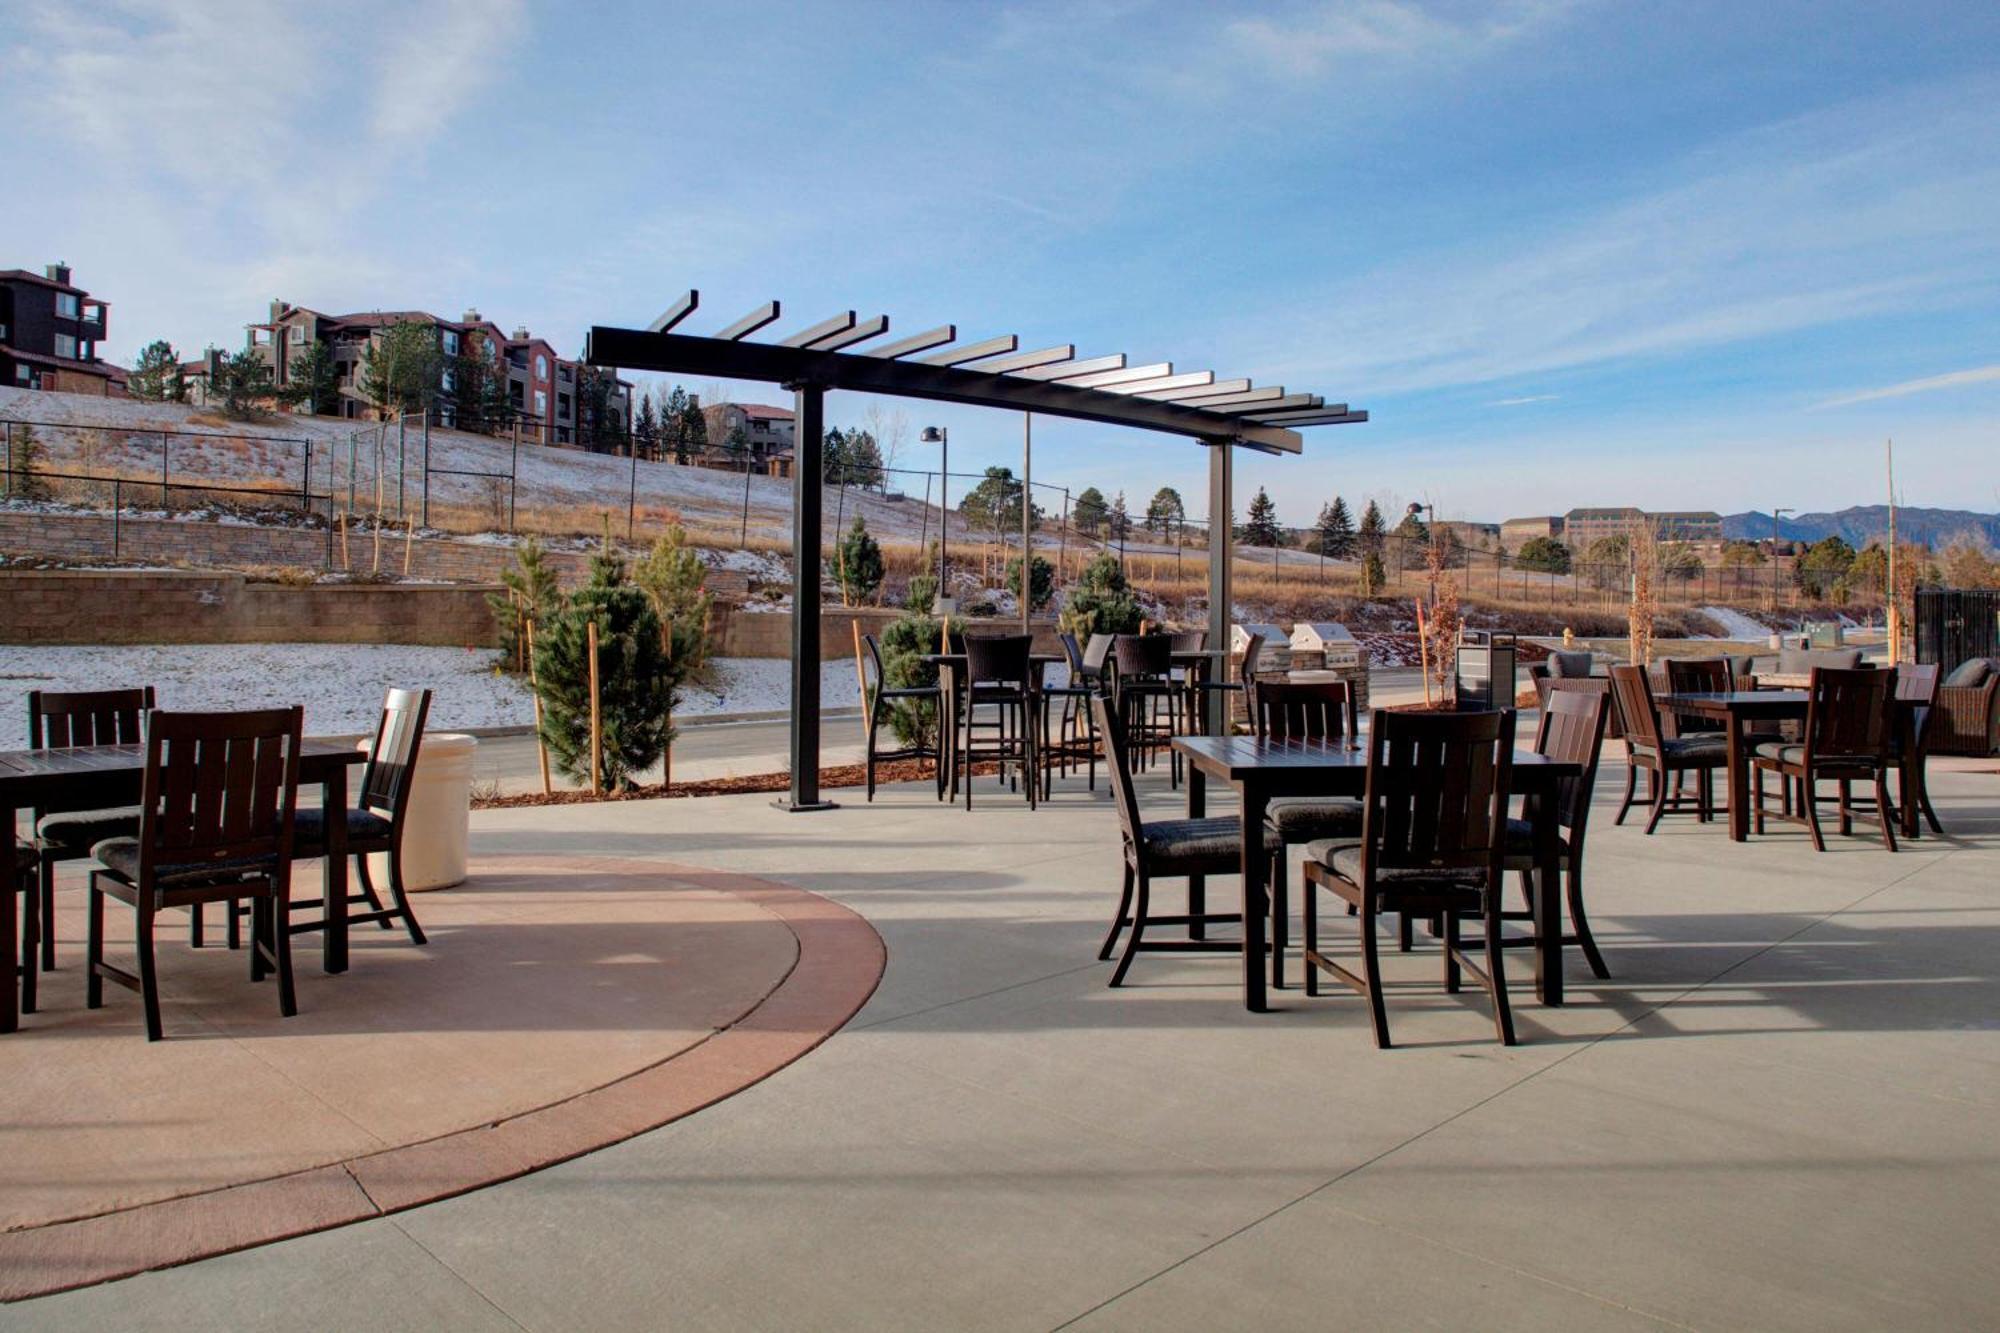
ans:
(766, 313)
(1029, 360)
(675, 313)
(1197, 394)
(917, 342)
(1069, 370)
(860, 333)
(958, 356)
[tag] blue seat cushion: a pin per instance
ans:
(1198, 846)
(309, 830)
(1300, 819)
(121, 856)
(77, 831)
(1343, 857)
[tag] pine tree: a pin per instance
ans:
(646, 429)
(1336, 530)
(1089, 511)
(635, 679)
(239, 383)
(1041, 581)
(1102, 602)
(833, 456)
(1121, 521)
(1260, 525)
(860, 568)
(864, 460)
(531, 593)
(674, 579)
(28, 480)
(1164, 510)
(1372, 574)
(315, 382)
(154, 373)
(1371, 535)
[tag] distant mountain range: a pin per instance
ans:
(1860, 524)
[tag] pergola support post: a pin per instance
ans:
(808, 528)
(1221, 540)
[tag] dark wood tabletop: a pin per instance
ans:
(93, 776)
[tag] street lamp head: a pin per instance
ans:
(933, 435)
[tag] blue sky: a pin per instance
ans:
(1681, 255)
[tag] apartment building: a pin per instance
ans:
(542, 387)
(1517, 532)
(768, 431)
(1585, 526)
(50, 330)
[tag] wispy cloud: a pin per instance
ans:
(1957, 379)
(1332, 33)
(1523, 402)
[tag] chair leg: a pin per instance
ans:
(149, 978)
(1631, 788)
(1659, 785)
(1496, 971)
(1141, 906)
(1406, 936)
(31, 938)
(1924, 803)
(1309, 908)
(1809, 790)
(1118, 917)
(1280, 917)
(1846, 808)
(93, 955)
(194, 927)
(1757, 798)
(281, 946)
(233, 929)
(1573, 891)
(1452, 979)
(1882, 815)
(1371, 974)
(398, 893)
(868, 745)
(260, 929)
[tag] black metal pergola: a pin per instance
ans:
(1223, 414)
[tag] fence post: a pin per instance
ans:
(115, 506)
(427, 468)
(514, 476)
(306, 482)
(164, 442)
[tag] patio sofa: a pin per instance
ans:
(1968, 709)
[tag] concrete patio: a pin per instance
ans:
(1779, 1113)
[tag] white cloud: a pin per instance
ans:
(1334, 33)
(1523, 402)
(1957, 379)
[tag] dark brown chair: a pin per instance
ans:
(999, 678)
(1699, 675)
(1320, 711)
(60, 721)
(881, 700)
(1434, 837)
(1220, 693)
(1968, 720)
(1910, 741)
(377, 821)
(1071, 740)
(217, 808)
(1846, 741)
(1571, 730)
(1660, 755)
(1148, 698)
(1168, 849)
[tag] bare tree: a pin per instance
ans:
(891, 429)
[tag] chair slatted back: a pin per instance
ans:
(392, 760)
(59, 720)
(1699, 675)
(219, 787)
(1003, 660)
(1144, 656)
(1916, 682)
(1117, 757)
(1572, 730)
(1848, 714)
(1632, 695)
(1437, 790)
(1320, 710)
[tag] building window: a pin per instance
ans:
(451, 342)
(298, 335)
(541, 403)
(22, 373)
(66, 346)
(67, 305)
(562, 405)
(86, 350)
(260, 337)
(448, 381)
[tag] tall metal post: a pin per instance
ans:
(809, 411)
(514, 476)
(1027, 516)
(632, 492)
(402, 460)
(427, 467)
(163, 471)
(1221, 476)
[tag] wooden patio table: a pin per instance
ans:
(1262, 770)
(106, 776)
(1735, 708)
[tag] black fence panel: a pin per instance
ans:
(1954, 624)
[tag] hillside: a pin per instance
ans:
(1859, 524)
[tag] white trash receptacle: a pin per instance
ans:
(434, 833)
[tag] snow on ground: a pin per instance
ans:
(341, 685)
(1736, 625)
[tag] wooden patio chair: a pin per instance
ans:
(217, 808)
(1168, 849)
(1571, 730)
(1660, 755)
(1846, 741)
(1434, 837)
(1910, 739)
(59, 720)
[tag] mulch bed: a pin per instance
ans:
(843, 775)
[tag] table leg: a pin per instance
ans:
(1739, 781)
(333, 942)
(1197, 884)
(1909, 788)
(1548, 907)
(1256, 899)
(10, 925)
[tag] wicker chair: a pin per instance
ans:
(1968, 716)
(1169, 849)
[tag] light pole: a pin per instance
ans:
(1774, 555)
(1430, 528)
(941, 436)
